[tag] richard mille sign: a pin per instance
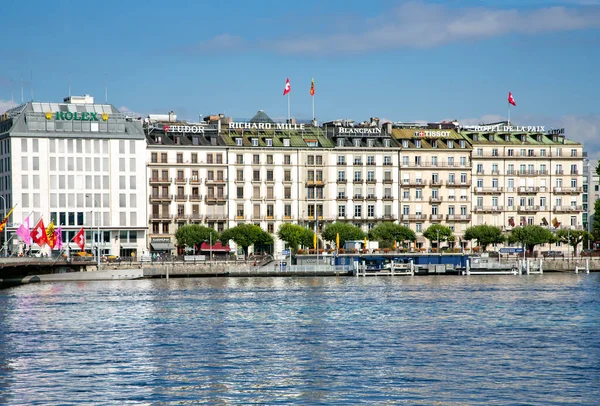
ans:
(265, 126)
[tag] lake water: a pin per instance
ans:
(406, 340)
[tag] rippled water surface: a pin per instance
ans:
(408, 340)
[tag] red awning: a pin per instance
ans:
(218, 247)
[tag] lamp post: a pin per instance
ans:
(98, 231)
(5, 230)
(210, 249)
(438, 241)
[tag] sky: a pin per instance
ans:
(397, 60)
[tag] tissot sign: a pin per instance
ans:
(76, 116)
(184, 129)
(432, 134)
(265, 126)
(505, 128)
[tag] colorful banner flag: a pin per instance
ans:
(80, 239)
(24, 233)
(288, 87)
(3, 224)
(555, 222)
(511, 99)
(337, 240)
(39, 234)
(50, 235)
(312, 87)
(58, 242)
(315, 241)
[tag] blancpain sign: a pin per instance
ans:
(505, 128)
(359, 131)
(432, 134)
(265, 126)
(184, 129)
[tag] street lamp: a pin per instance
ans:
(210, 249)
(98, 231)
(438, 241)
(5, 230)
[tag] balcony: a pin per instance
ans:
(342, 197)
(458, 184)
(371, 197)
(181, 198)
(560, 172)
(488, 190)
(181, 181)
(436, 217)
(567, 190)
(388, 181)
(358, 197)
(415, 182)
(528, 173)
(371, 181)
(340, 163)
(528, 209)
(357, 163)
(388, 217)
(435, 182)
(527, 190)
(437, 199)
(458, 217)
(160, 197)
(414, 217)
(196, 198)
(218, 217)
(342, 181)
(358, 180)
(160, 217)
(315, 182)
(239, 180)
(181, 217)
(196, 218)
(160, 181)
(195, 181)
(287, 180)
(215, 181)
(487, 209)
(388, 197)
(215, 199)
(567, 209)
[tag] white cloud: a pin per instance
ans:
(127, 110)
(6, 105)
(416, 24)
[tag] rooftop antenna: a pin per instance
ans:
(21, 89)
(105, 89)
(69, 85)
(31, 77)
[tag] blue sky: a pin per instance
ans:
(398, 60)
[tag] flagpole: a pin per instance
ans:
(313, 106)
(288, 107)
(509, 114)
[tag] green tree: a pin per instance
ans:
(432, 233)
(245, 235)
(596, 221)
(295, 235)
(485, 235)
(347, 231)
(530, 236)
(190, 235)
(571, 237)
(386, 233)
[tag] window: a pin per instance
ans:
(342, 176)
(387, 160)
(269, 159)
(450, 144)
(255, 142)
(240, 192)
(405, 143)
(179, 158)
(287, 160)
(269, 142)
(371, 210)
(342, 210)
(358, 210)
(239, 143)
(370, 160)
(417, 143)
(287, 210)
(286, 142)
(341, 160)
(239, 159)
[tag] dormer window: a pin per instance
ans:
(340, 142)
(475, 137)
(523, 138)
(386, 143)
(269, 142)
(434, 144)
(555, 138)
(462, 143)
(177, 140)
(539, 137)
(370, 142)
(418, 143)
(357, 142)
(506, 137)
(159, 140)
(255, 142)
(196, 140)
(450, 144)
(238, 142)
(404, 143)
(286, 142)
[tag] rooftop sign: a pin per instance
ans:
(505, 128)
(432, 134)
(184, 129)
(359, 131)
(265, 126)
(76, 116)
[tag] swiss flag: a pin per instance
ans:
(288, 87)
(80, 239)
(511, 99)
(38, 234)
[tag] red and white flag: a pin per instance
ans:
(288, 87)
(38, 234)
(80, 239)
(511, 99)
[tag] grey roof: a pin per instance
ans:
(261, 117)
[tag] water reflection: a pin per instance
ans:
(340, 340)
